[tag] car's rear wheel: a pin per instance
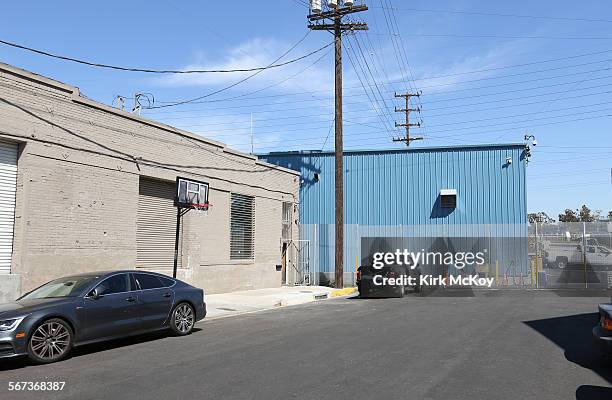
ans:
(182, 319)
(51, 341)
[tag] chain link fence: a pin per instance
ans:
(506, 248)
(561, 255)
(575, 255)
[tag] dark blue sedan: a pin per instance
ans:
(48, 321)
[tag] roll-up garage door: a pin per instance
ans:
(156, 224)
(8, 186)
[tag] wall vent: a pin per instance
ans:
(448, 198)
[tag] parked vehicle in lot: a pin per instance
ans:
(366, 276)
(602, 332)
(562, 255)
(48, 321)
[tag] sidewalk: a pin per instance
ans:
(226, 304)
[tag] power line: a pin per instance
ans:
(435, 115)
(375, 107)
(395, 45)
(238, 82)
(351, 121)
(515, 98)
(370, 134)
(489, 14)
(161, 71)
(402, 48)
(250, 106)
(372, 140)
(520, 90)
(515, 105)
(511, 66)
(372, 75)
(460, 73)
(457, 35)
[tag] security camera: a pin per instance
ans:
(508, 160)
(527, 137)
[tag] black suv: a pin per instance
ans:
(388, 281)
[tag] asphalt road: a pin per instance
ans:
(525, 346)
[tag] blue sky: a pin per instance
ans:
(485, 78)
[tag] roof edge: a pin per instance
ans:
(75, 96)
(410, 150)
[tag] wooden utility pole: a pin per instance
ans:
(407, 124)
(337, 27)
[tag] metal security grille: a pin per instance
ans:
(286, 234)
(8, 185)
(156, 224)
(242, 227)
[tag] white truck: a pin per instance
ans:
(562, 254)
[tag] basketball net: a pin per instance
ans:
(201, 209)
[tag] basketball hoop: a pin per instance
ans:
(201, 208)
(190, 195)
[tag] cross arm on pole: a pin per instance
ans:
(344, 27)
(339, 12)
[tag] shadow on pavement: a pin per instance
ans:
(21, 362)
(572, 333)
(589, 392)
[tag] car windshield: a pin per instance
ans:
(63, 287)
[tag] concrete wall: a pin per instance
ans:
(77, 189)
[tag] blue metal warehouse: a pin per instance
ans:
(402, 192)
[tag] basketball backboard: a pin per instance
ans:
(191, 193)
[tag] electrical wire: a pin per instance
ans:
(375, 107)
(370, 134)
(238, 82)
(162, 71)
(489, 14)
(369, 78)
(456, 35)
(446, 84)
(360, 110)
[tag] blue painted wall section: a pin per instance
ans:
(401, 187)
(398, 191)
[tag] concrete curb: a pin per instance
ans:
(283, 300)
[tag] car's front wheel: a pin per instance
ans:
(51, 341)
(561, 262)
(182, 319)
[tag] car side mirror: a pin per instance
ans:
(96, 293)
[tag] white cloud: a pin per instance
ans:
(457, 72)
(255, 53)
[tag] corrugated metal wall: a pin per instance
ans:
(400, 187)
(397, 191)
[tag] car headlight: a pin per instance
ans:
(10, 324)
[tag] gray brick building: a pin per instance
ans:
(84, 187)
